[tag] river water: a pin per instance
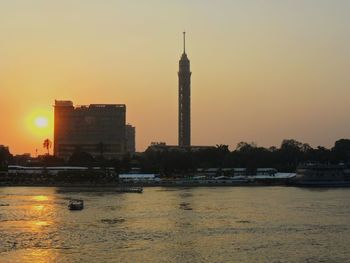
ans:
(216, 224)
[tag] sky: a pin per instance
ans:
(262, 71)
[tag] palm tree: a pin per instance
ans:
(47, 144)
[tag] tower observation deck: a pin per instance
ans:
(184, 98)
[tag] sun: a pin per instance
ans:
(41, 122)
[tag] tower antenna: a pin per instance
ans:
(184, 41)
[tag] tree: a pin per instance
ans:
(246, 147)
(47, 144)
(223, 154)
(291, 145)
(341, 150)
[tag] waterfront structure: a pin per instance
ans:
(163, 147)
(130, 135)
(184, 75)
(98, 129)
(54, 170)
(137, 177)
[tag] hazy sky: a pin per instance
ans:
(262, 70)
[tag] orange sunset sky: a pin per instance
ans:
(263, 71)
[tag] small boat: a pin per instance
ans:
(129, 190)
(76, 204)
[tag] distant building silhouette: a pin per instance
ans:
(98, 129)
(4, 155)
(130, 134)
(184, 98)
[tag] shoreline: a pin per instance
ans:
(183, 183)
(91, 186)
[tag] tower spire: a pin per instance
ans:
(184, 41)
(184, 98)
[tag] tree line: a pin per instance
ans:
(285, 158)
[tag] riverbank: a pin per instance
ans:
(146, 184)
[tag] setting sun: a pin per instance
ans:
(41, 122)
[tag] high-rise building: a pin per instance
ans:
(184, 98)
(130, 135)
(98, 129)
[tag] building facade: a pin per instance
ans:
(130, 135)
(184, 99)
(98, 129)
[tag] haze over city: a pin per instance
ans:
(263, 71)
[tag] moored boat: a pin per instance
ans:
(76, 204)
(320, 175)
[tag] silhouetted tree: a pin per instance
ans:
(319, 155)
(290, 154)
(47, 144)
(5, 156)
(245, 147)
(341, 150)
(223, 153)
(248, 155)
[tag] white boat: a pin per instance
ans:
(76, 204)
(322, 175)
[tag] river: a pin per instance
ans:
(203, 224)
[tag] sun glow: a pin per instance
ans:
(40, 198)
(41, 122)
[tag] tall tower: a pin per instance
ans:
(184, 98)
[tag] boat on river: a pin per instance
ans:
(76, 204)
(322, 175)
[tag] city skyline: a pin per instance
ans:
(264, 71)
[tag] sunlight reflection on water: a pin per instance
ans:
(227, 224)
(40, 198)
